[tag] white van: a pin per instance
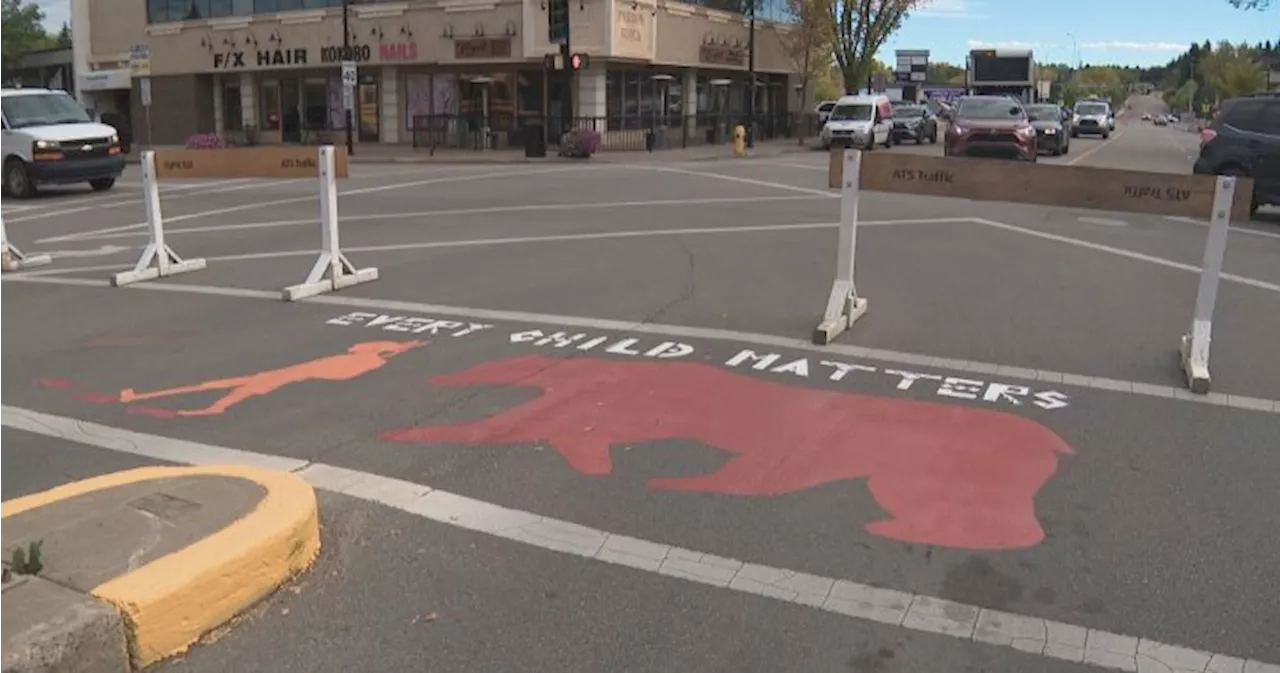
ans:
(49, 139)
(859, 121)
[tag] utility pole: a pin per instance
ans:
(347, 55)
(751, 72)
(558, 33)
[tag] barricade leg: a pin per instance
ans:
(844, 306)
(158, 259)
(13, 259)
(332, 270)
(1195, 345)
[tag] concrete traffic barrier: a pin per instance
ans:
(13, 259)
(1216, 199)
(332, 270)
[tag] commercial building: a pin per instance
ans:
(271, 68)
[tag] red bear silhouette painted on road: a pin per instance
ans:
(947, 475)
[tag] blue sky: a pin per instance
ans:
(1124, 32)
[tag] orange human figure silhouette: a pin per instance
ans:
(359, 359)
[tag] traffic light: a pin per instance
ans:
(579, 61)
(558, 21)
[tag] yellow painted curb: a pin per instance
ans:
(169, 603)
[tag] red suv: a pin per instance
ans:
(990, 126)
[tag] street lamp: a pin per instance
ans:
(1075, 54)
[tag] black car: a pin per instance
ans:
(1247, 143)
(914, 122)
(1053, 133)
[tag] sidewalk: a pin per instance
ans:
(373, 153)
(120, 571)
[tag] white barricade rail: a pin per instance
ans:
(1195, 344)
(844, 306)
(158, 260)
(332, 270)
(13, 259)
(1197, 196)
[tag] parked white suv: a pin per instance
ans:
(50, 139)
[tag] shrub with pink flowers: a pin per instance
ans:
(580, 143)
(204, 141)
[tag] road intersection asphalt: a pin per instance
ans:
(623, 347)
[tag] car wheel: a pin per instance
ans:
(871, 142)
(102, 184)
(16, 181)
(1106, 136)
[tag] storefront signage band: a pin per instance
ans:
(718, 55)
(360, 53)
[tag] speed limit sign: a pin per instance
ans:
(349, 78)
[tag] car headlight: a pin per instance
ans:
(45, 145)
(1050, 131)
(1075, 119)
(114, 139)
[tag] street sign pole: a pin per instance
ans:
(348, 84)
(140, 68)
(146, 108)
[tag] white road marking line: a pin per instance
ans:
(746, 181)
(1235, 228)
(1104, 221)
(915, 612)
(552, 238)
(1121, 252)
(1091, 151)
(455, 211)
(1241, 402)
(183, 191)
(316, 198)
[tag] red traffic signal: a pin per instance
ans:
(579, 61)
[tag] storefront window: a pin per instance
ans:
(315, 105)
(270, 117)
(232, 112)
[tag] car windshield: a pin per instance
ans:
(907, 111)
(856, 112)
(826, 107)
(40, 109)
(990, 108)
(1091, 109)
(1044, 112)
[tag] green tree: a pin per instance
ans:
(945, 73)
(22, 30)
(860, 30)
(64, 36)
(808, 43)
(1231, 70)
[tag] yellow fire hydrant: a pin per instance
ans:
(739, 141)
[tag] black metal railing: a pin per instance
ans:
(636, 132)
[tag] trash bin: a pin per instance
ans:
(535, 140)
